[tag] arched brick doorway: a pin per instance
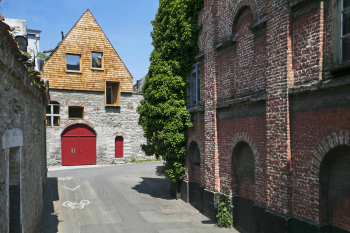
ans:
(243, 171)
(78, 145)
(335, 187)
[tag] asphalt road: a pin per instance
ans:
(130, 198)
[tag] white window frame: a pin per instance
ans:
(197, 88)
(52, 115)
(342, 11)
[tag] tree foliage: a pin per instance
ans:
(163, 115)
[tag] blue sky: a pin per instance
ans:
(127, 24)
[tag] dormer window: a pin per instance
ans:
(112, 94)
(345, 30)
(73, 62)
(96, 60)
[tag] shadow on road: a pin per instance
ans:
(155, 187)
(160, 171)
(51, 194)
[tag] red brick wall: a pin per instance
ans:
(308, 32)
(229, 134)
(298, 44)
(226, 77)
(278, 78)
(309, 129)
(196, 134)
(244, 62)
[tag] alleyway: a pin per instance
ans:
(129, 198)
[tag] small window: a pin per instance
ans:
(97, 60)
(73, 62)
(76, 112)
(53, 114)
(345, 30)
(194, 86)
(112, 95)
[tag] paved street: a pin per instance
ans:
(130, 198)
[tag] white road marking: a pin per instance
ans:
(72, 189)
(65, 178)
(74, 205)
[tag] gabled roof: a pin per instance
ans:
(85, 36)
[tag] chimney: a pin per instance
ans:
(138, 84)
(62, 35)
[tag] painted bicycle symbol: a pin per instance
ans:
(74, 205)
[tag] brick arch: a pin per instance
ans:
(244, 137)
(191, 139)
(81, 122)
(252, 4)
(318, 169)
(189, 174)
(331, 141)
(121, 134)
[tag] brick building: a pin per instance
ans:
(271, 112)
(92, 116)
(23, 101)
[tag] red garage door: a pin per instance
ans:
(78, 146)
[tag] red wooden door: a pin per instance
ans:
(78, 146)
(119, 147)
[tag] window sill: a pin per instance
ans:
(338, 67)
(97, 69)
(73, 71)
(111, 105)
(75, 118)
(199, 108)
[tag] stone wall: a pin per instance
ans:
(107, 122)
(22, 132)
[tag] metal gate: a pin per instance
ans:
(78, 146)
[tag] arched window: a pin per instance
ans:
(53, 114)
(239, 16)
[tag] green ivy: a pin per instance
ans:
(33, 74)
(163, 116)
(224, 215)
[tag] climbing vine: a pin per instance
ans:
(163, 116)
(224, 215)
(34, 75)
